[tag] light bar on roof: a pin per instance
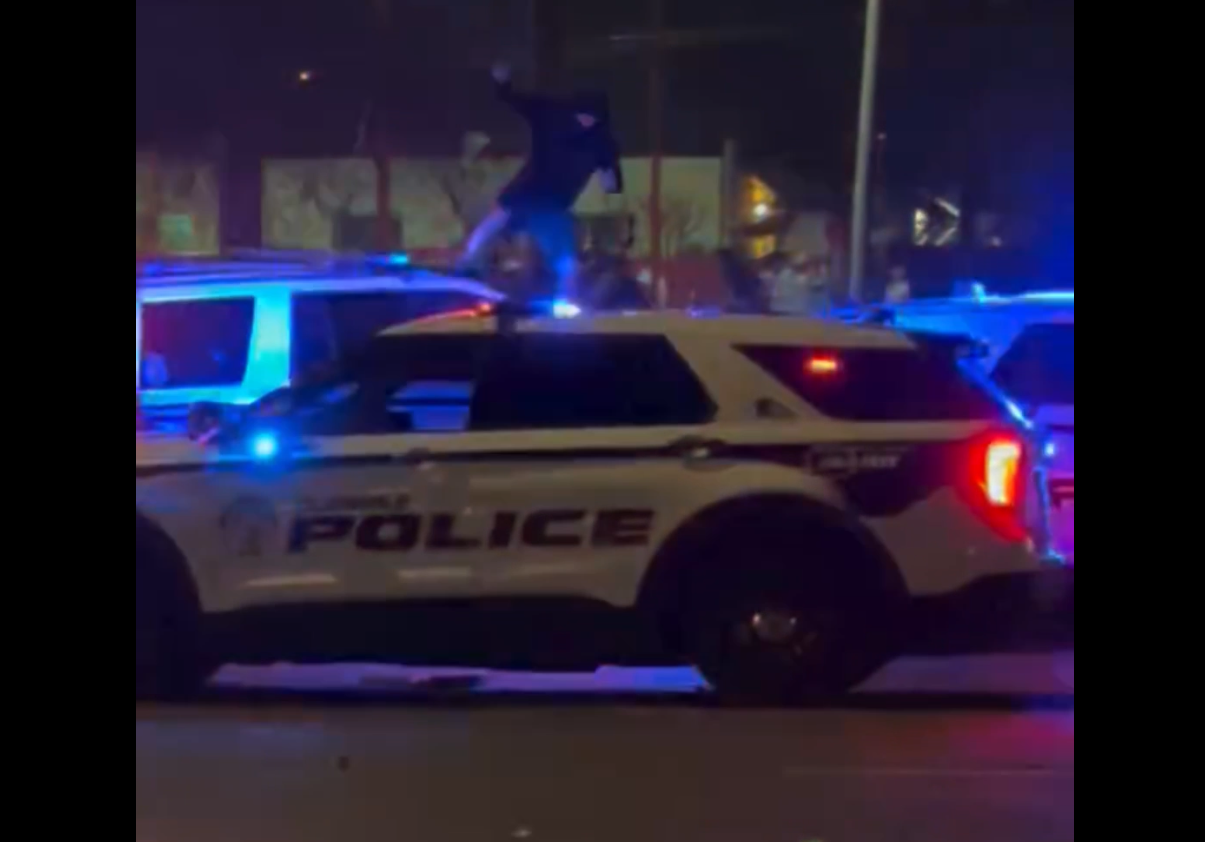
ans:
(254, 264)
(1056, 296)
(169, 269)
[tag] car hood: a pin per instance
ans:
(156, 451)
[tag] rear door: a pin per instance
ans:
(1038, 372)
(567, 473)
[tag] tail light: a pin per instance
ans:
(1002, 464)
(999, 464)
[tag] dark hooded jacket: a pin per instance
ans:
(564, 154)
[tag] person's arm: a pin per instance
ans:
(527, 105)
(610, 165)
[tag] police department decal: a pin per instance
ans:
(398, 529)
(251, 527)
(847, 461)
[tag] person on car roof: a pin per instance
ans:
(571, 140)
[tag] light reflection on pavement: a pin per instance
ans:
(1029, 674)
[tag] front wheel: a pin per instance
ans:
(771, 634)
(167, 661)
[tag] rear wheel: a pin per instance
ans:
(782, 630)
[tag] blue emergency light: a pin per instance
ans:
(565, 310)
(265, 446)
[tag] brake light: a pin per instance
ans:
(823, 365)
(998, 467)
(1002, 471)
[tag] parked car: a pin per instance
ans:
(228, 332)
(1029, 343)
(786, 504)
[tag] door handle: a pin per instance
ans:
(416, 458)
(696, 447)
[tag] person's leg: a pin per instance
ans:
(483, 237)
(556, 234)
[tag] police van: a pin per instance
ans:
(226, 332)
(1029, 353)
(786, 504)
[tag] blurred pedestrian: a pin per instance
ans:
(899, 286)
(746, 290)
(788, 287)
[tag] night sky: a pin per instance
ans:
(984, 87)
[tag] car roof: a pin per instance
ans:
(211, 287)
(762, 330)
(246, 273)
(1051, 301)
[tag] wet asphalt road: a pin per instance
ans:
(613, 759)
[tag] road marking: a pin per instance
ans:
(305, 580)
(436, 574)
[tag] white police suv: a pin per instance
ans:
(1030, 355)
(787, 504)
(227, 332)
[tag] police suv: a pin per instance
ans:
(1029, 353)
(786, 504)
(226, 332)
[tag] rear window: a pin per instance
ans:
(196, 344)
(878, 385)
(1039, 369)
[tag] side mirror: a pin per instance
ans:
(210, 423)
(205, 420)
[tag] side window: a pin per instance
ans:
(196, 344)
(415, 384)
(1039, 369)
(329, 327)
(315, 344)
(332, 327)
(555, 382)
(870, 385)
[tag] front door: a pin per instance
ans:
(301, 526)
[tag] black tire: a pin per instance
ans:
(168, 666)
(782, 630)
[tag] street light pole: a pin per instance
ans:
(385, 233)
(154, 202)
(657, 138)
(866, 142)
